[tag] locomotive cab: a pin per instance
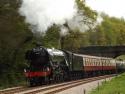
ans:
(59, 64)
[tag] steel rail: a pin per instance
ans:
(72, 84)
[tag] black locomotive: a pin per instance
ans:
(46, 65)
(52, 65)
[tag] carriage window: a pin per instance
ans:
(96, 62)
(100, 63)
(86, 62)
(92, 61)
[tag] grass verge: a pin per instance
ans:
(115, 86)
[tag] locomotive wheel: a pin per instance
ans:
(32, 83)
(35, 81)
(65, 77)
(47, 80)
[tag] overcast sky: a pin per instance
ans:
(111, 7)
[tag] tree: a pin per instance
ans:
(74, 40)
(109, 32)
(52, 37)
(14, 34)
(88, 16)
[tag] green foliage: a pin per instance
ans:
(14, 35)
(86, 10)
(72, 41)
(113, 32)
(110, 32)
(115, 86)
(52, 37)
(75, 40)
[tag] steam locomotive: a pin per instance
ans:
(51, 65)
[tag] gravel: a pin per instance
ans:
(85, 88)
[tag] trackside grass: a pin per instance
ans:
(115, 86)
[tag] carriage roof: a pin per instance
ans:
(89, 56)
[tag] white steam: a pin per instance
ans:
(41, 14)
(64, 31)
(83, 23)
(79, 23)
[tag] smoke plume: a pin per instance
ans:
(41, 14)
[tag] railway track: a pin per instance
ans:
(24, 88)
(53, 88)
(9, 90)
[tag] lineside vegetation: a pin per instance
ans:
(115, 86)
